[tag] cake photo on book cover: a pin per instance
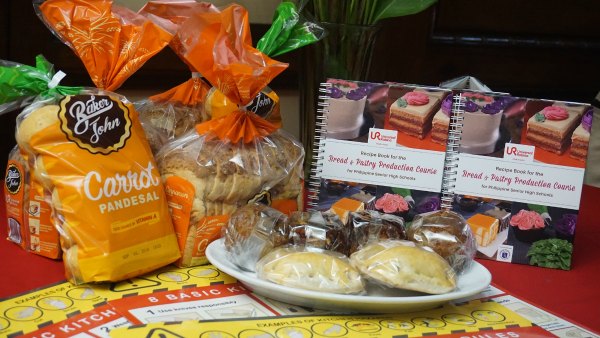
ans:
(522, 199)
(412, 112)
(551, 128)
(581, 137)
(351, 108)
(482, 116)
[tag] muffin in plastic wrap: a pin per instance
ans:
(372, 226)
(321, 230)
(252, 231)
(310, 269)
(448, 234)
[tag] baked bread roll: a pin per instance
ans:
(320, 270)
(40, 119)
(252, 231)
(403, 265)
(448, 234)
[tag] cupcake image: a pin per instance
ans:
(528, 226)
(392, 204)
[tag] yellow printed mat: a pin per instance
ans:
(459, 320)
(40, 308)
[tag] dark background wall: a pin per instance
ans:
(536, 48)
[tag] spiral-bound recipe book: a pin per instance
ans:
(512, 167)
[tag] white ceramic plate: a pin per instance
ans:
(376, 301)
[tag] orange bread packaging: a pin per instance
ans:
(28, 209)
(168, 115)
(90, 151)
(235, 159)
(16, 193)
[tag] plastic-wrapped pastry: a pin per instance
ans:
(252, 231)
(403, 265)
(310, 269)
(372, 226)
(322, 230)
(448, 234)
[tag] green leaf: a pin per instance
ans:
(393, 8)
(551, 253)
(401, 191)
(540, 117)
(402, 103)
(540, 209)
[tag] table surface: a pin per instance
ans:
(573, 295)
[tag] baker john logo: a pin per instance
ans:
(96, 123)
(519, 152)
(262, 105)
(383, 137)
(14, 179)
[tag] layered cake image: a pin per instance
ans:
(485, 228)
(412, 113)
(581, 137)
(552, 127)
(441, 122)
(346, 106)
(344, 206)
(481, 124)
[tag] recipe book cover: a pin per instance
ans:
(519, 176)
(376, 151)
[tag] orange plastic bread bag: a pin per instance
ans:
(209, 100)
(91, 153)
(238, 158)
(170, 114)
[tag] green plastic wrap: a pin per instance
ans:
(21, 83)
(289, 31)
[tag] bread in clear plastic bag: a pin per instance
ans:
(165, 121)
(220, 176)
(310, 269)
(252, 231)
(404, 265)
(448, 234)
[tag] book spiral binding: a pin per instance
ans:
(320, 133)
(452, 150)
